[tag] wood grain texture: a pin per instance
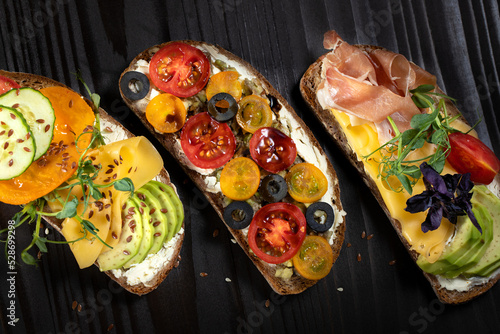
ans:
(459, 41)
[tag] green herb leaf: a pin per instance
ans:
(27, 258)
(89, 226)
(96, 99)
(422, 89)
(69, 209)
(94, 192)
(124, 184)
(423, 121)
(437, 162)
(422, 101)
(40, 242)
(405, 182)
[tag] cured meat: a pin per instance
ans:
(371, 84)
(348, 59)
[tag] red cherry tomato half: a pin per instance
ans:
(470, 155)
(276, 232)
(206, 142)
(272, 149)
(7, 84)
(179, 69)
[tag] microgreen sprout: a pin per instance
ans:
(432, 128)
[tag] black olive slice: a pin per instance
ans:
(219, 113)
(238, 215)
(273, 103)
(273, 188)
(311, 219)
(134, 85)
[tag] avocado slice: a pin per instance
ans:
(490, 261)
(158, 220)
(472, 256)
(148, 232)
(464, 239)
(467, 246)
(130, 238)
(171, 205)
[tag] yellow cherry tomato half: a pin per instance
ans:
(166, 113)
(240, 179)
(224, 82)
(314, 260)
(306, 183)
(254, 113)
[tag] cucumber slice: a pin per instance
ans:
(38, 113)
(17, 146)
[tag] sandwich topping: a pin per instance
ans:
(247, 148)
(428, 166)
(110, 210)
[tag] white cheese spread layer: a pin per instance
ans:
(145, 271)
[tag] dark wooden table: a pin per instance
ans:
(459, 41)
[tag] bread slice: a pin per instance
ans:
(309, 84)
(174, 245)
(296, 283)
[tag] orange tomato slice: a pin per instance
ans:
(314, 260)
(306, 183)
(166, 113)
(254, 113)
(240, 179)
(224, 82)
(73, 115)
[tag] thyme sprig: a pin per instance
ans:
(432, 128)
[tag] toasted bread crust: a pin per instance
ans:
(38, 82)
(297, 283)
(308, 87)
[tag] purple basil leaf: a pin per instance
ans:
(419, 203)
(434, 179)
(433, 219)
(465, 184)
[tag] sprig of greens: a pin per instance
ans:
(432, 128)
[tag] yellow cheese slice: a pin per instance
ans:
(135, 158)
(363, 139)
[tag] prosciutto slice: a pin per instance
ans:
(371, 85)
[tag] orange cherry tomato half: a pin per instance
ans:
(306, 183)
(314, 260)
(240, 179)
(276, 232)
(7, 84)
(206, 142)
(179, 69)
(254, 113)
(272, 149)
(166, 113)
(470, 155)
(224, 82)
